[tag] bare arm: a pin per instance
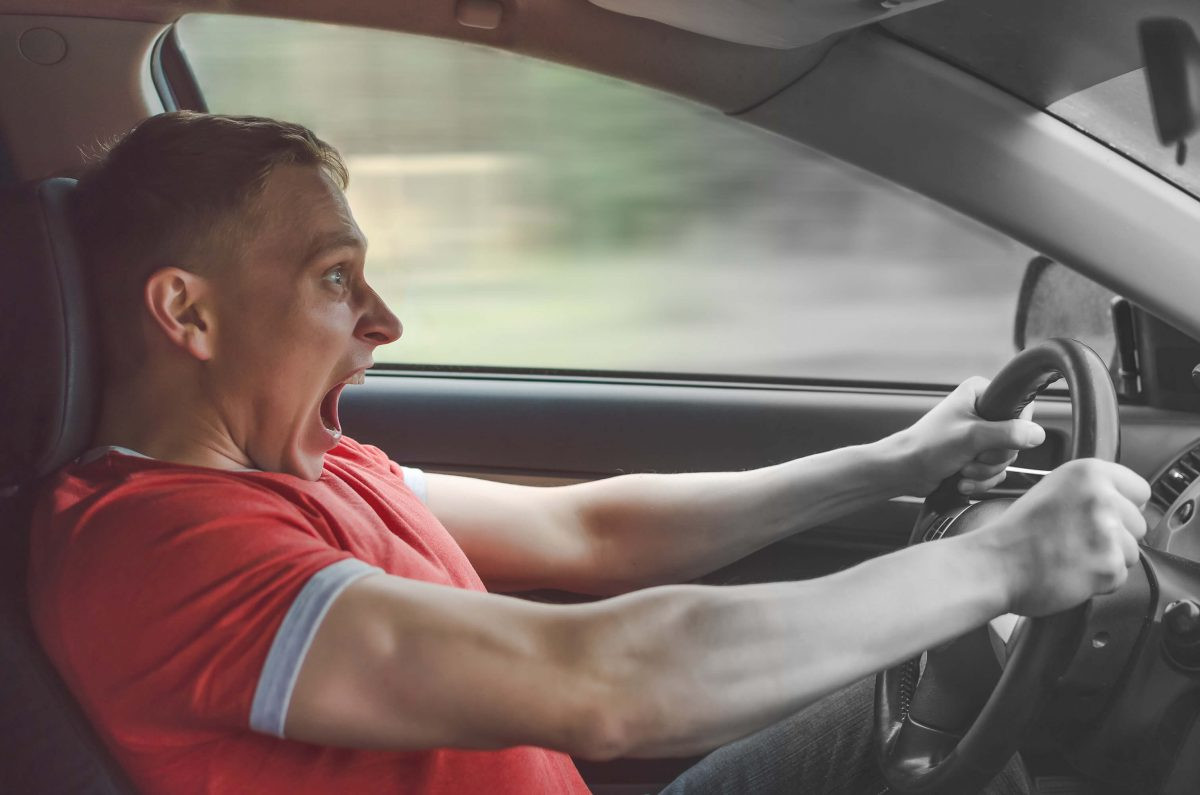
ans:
(681, 669)
(629, 532)
(671, 670)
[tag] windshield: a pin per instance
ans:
(1118, 113)
(1080, 60)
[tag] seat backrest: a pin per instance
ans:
(47, 402)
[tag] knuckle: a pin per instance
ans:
(1138, 528)
(977, 434)
(1110, 584)
(1092, 508)
(1074, 473)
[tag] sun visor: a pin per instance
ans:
(781, 24)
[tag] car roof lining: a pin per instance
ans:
(782, 24)
(1039, 51)
(722, 74)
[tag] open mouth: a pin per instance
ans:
(329, 405)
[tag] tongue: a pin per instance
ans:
(329, 409)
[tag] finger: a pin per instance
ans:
(1114, 581)
(1027, 412)
(978, 471)
(1131, 517)
(1008, 435)
(969, 486)
(972, 388)
(1001, 457)
(1129, 548)
(1130, 484)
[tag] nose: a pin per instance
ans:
(378, 325)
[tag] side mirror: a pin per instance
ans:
(1171, 55)
(1055, 301)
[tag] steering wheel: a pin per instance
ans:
(950, 725)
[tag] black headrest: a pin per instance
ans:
(47, 356)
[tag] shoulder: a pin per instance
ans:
(353, 454)
(170, 493)
(356, 453)
(131, 509)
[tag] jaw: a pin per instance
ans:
(316, 431)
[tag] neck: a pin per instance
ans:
(166, 424)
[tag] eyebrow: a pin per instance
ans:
(323, 244)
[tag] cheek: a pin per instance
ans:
(290, 338)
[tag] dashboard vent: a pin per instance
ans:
(1177, 477)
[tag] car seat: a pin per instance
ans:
(48, 400)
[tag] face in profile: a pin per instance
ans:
(295, 321)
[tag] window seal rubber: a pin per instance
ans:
(172, 75)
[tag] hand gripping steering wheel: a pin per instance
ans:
(951, 725)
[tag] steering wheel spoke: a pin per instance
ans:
(1000, 632)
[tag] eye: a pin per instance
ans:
(337, 276)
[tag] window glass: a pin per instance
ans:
(524, 214)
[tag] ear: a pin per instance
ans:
(178, 304)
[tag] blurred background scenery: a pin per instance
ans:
(524, 214)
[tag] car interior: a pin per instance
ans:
(990, 108)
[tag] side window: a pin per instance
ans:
(524, 214)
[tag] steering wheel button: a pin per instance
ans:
(1184, 513)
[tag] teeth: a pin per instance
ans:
(359, 378)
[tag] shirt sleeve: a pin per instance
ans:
(415, 480)
(273, 695)
(186, 610)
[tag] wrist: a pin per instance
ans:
(898, 465)
(988, 560)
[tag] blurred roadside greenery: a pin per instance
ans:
(527, 214)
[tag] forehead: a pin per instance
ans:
(302, 210)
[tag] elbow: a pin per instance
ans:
(617, 708)
(603, 722)
(601, 735)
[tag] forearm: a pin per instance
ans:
(656, 529)
(695, 667)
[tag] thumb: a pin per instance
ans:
(1009, 435)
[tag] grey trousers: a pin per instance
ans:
(824, 749)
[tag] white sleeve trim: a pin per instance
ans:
(273, 695)
(415, 480)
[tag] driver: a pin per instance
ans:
(244, 599)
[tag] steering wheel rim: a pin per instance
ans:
(954, 757)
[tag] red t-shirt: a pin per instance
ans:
(160, 591)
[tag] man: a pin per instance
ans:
(244, 600)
